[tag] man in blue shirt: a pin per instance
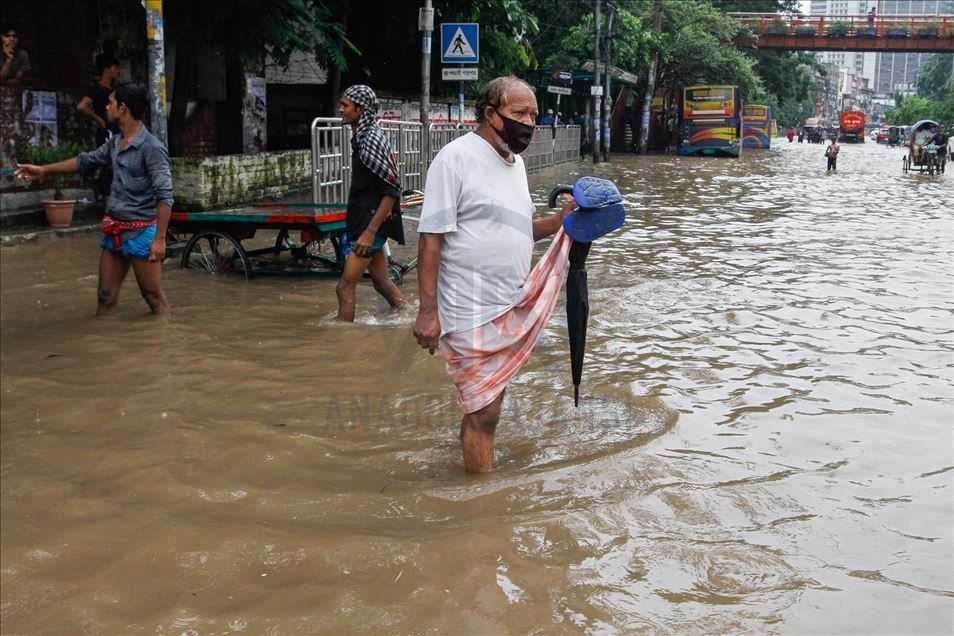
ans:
(139, 208)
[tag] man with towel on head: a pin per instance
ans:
(480, 302)
(374, 203)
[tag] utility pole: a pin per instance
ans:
(650, 83)
(157, 71)
(596, 123)
(607, 94)
(425, 23)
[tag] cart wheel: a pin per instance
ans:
(216, 253)
(395, 274)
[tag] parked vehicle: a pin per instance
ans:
(711, 121)
(894, 135)
(757, 126)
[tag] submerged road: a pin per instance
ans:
(765, 441)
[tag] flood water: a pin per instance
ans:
(764, 444)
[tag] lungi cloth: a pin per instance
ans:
(481, 361)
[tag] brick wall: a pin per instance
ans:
(201, 183)
(199, 139)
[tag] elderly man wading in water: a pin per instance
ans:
(480, 302)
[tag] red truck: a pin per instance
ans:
(851, 127)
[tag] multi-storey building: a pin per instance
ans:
(887, 73)
(896, 72)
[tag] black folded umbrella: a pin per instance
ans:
(577, 312)
(600, 212)
(577, 301)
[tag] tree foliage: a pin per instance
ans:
(697, 48)
(935, 98)
(250, 27)
(934, 78)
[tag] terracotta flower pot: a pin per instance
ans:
(59, 213)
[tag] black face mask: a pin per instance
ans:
(515, 134)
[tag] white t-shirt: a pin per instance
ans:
(482, 206)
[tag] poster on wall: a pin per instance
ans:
(255, 114)
(39, 115)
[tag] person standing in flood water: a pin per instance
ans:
(476, 241)
(139, 208)
(374, 204)
(832, 153)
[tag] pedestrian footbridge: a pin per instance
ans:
(862, 33)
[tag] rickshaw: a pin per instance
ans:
(919, 157)
(893, 135)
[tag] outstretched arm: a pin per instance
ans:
(31, 172)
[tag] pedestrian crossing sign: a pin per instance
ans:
(459, 43)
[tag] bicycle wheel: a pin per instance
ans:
(216, 253)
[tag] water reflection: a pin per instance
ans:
(764, 439)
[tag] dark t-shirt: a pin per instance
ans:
(367, 188)
(940, 139)
(100, 96)
(21, 62)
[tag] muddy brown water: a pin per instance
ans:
(764, 442)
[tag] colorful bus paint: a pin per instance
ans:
(711, 121)
(757, 126)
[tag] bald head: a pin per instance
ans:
(500, 92)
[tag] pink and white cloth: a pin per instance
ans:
(482, 361)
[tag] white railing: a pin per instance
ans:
(331, 152)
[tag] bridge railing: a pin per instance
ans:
(844, 26)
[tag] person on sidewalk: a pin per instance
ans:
(374, 204)
(140, 205)
(480, 303)
(832, 153)
(93, 105)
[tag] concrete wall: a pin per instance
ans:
(201, 183)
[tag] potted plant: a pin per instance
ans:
(867, 31)
(838, 29)
(776, 27)
(929, 30)
(805, 31)
(899, 30)
(59, 211)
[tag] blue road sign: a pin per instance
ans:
(460, 43)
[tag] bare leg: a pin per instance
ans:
(112, 270)
(149, 277)
(477, 437)
(353, 270)
(383, 283)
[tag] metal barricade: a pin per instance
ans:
(331, 156)
(405, 138)
(539, 154)
(443, 133)
(331, 152)
(330, 160)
